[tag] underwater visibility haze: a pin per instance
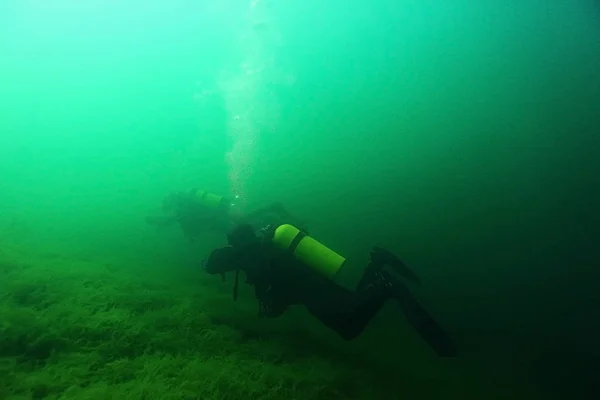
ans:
(461, 135)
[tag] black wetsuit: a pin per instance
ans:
(280, 281)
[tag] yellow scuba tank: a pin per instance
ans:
(312, 253)
(210, 200)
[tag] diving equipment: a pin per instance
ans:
(429, 330)
(211, 200)
(381, 256)
(306, 249)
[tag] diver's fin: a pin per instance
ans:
(423, 323)
(382, 257)
(405, 272)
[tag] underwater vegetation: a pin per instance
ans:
(78, 327)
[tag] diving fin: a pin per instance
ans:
(423, 323)
(381, 256)
(406, 272)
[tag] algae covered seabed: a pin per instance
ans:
(80, 323)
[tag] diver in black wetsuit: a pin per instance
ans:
(287, 267)
(197, 211)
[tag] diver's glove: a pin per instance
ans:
(381, 257)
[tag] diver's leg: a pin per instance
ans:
(342, 310)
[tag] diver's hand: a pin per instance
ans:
(381, 257)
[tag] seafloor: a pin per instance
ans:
(83, 324)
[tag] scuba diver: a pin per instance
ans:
(287, 267)
(197, 211)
